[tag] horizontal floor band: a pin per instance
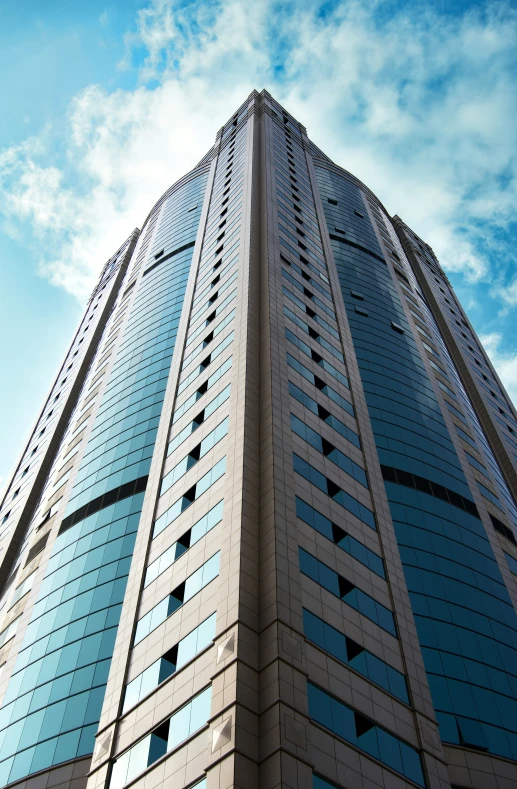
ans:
(168, 257)
(431, 488)
(122, 492)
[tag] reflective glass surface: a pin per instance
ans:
(320, 783)
(344, 589)
(169, 663)
(512, 563)
(166, 737)
(339, 537)
(191, 495)
(194, 456)
(353, 654)
(170, 604)
(364, 734)
(348, 502)
(324, 415)
(53, 701)
(186, 541)
(331, 452)
(465, 621)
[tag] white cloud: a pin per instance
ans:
(505, 362)
(507, 293)
(419, 106)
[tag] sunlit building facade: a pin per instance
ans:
(264, 532)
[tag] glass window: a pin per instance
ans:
(186, 541)
(354, 655)
(308, 294)
(314, 335)
(487, 494)
(329, 368)
(22, 589)
(320, 783)
(166, 607)
(10, 631)
(185, 382)
(191, 495)
(338, 495)
(339, 537)
(180, 654)
(167, 736)
(312, 282)
(331, 452)
(321, 385)
(323, 414)
(311, 313)
(364, 734)
(220, 307)
(211, 380)
(512, 563)
(198, 420)
(208, 339)
(346, 591)
(194, 456)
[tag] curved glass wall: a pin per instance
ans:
(52, 705)
(459, 388)
(466, 624)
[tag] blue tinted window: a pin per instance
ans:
(512, 563)
(186, 541)
(54, 697)
(194, 456)
(348, 651)
(364, 734)
(335, 455)
(166, 737)
(166, 607)
(320, 783)
(338, 495)
(168, 664)
(465, 622)
(327, 417)
(346, 591)
(191, 495)
(339, 537)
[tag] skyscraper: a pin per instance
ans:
(263, 533)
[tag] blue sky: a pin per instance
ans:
(105, 104)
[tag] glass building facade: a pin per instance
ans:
(466, 623)
(264, 531)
